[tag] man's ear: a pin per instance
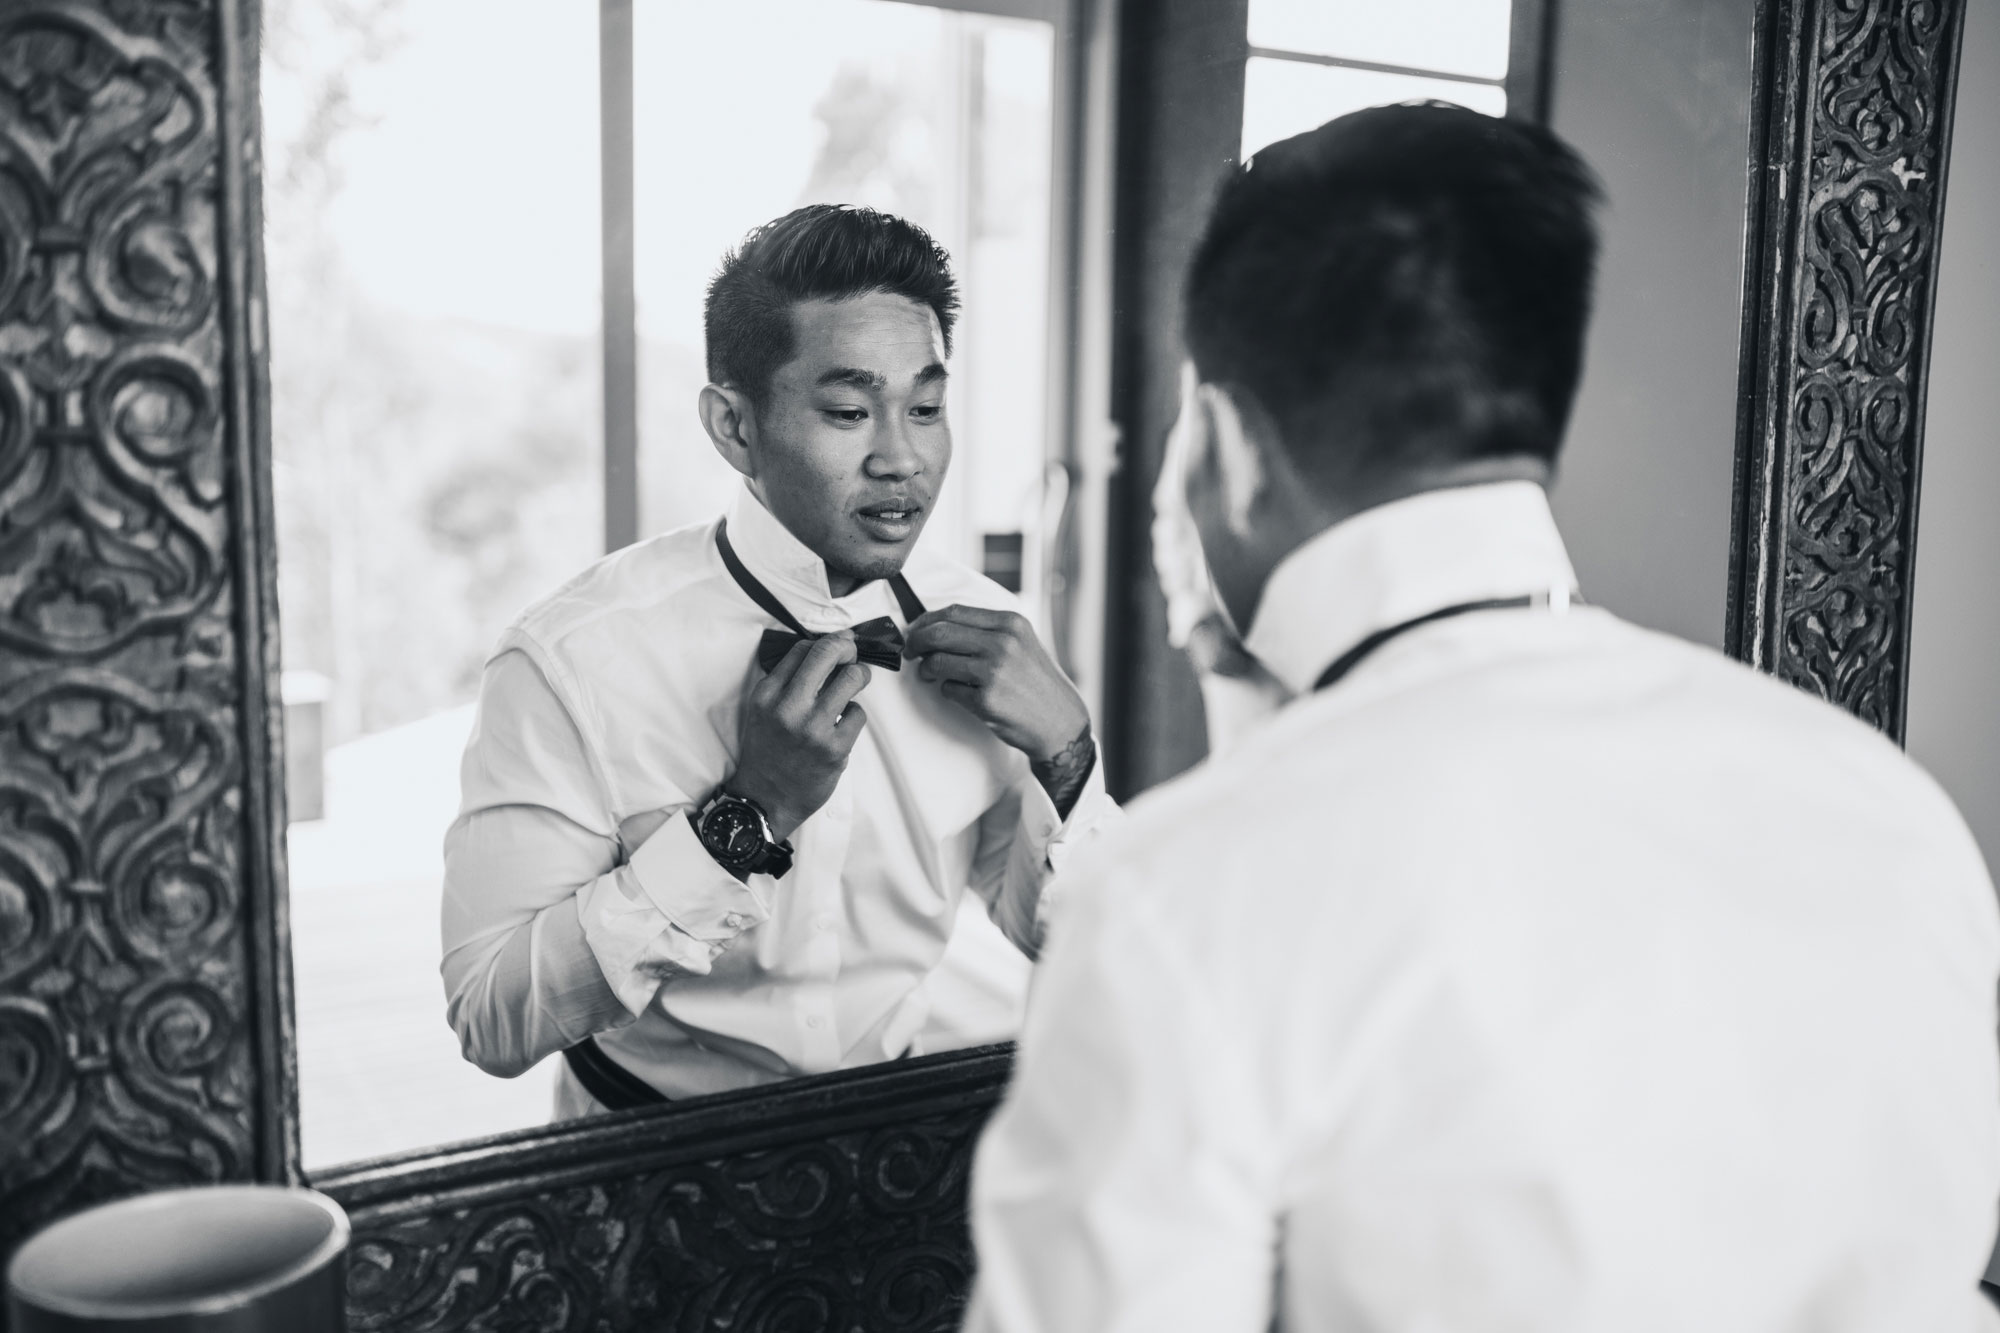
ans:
(731, 424)
(1241, 473)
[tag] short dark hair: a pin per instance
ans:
(819, 252)
(1404, 284)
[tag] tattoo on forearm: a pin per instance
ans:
(1063, 776)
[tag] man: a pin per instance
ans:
(728, 788)
(1528, 970)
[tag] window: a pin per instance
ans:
(1313, 60)
(433, 276)
(747, 110)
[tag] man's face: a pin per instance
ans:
(852, 443)
(1220, 481)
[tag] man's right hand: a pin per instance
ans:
(799, 725)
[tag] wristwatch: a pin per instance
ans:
(737, 834)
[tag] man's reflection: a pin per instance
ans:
(728, 788)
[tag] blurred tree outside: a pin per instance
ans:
(433, 476)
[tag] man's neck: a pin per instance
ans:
(1303, 512)
(1375, 492)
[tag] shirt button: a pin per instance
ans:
(815, 1022)
(734, 920)
(822, 923)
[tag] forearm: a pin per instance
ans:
(1064, 774)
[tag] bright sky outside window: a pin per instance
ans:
(940, 116)
(1312, 60)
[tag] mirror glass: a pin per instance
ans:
(431, 237)
(1656, 96)
(433, 242)
(1954, 707)
(436, 295)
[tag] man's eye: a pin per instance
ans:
(848, 416)
(929, 412)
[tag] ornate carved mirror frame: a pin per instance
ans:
(145, 1007)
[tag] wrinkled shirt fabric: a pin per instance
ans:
(579, 901)
(1545, 974)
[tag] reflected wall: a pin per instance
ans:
(1656, 96)
(1954, 717)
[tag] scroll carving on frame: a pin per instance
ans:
(838, 1203)
(130, 1055)
(1851, 129)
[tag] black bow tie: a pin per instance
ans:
(878, 642)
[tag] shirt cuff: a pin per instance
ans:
(670, 910)
(683, 881)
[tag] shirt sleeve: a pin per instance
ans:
(1024, 842)
(548, 938)
(1125, 1185)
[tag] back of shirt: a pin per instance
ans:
(1548, 974)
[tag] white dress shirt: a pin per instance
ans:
(1545, 975)
(579, 901)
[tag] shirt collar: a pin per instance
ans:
(793, 571)
(1401, 560)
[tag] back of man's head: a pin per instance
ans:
(1401, 288)
(820, 252)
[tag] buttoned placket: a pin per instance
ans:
(816, 884)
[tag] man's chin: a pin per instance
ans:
(866, 567)
(873, 558)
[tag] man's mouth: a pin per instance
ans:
(891, 520)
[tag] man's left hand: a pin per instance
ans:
(991, 664)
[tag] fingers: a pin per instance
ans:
(970, 617)
(947, 636)
(841, 687)
(964, 629)
(848, 728)
(823, 657)
(772, 686)
(965, 696)
(961, 667)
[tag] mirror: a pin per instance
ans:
(433, 243)
(1954, 712)
(447, 435)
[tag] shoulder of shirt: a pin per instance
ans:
(637, 580)
(1199, 826)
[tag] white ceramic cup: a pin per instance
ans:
(220, 1259)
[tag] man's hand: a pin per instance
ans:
(991, 664)
(799, 725)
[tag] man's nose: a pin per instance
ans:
(895, 454)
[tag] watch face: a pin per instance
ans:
(732, 832)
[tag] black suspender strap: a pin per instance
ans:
(614, 1086)
(1354, 656)
(906, 597)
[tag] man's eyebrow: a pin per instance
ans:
(860, 379)
(875, 380)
